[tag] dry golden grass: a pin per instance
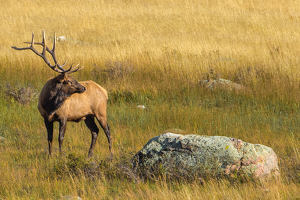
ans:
(190, 34)
(162, 49)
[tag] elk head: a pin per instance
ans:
(67, 85)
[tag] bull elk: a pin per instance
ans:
(64, 99)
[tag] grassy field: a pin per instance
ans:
(152, 53)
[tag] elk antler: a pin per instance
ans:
(56, 67)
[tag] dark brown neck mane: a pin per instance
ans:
(54, 96)
(54, 100)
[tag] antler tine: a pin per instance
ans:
(32, 40)
(30, 47)
(44, 44)
(25, 48)
(69, 71)
(54, 42)
(69, 68)
(78, 67)
(61, 66)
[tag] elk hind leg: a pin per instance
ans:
(90, 123)
(103, 122)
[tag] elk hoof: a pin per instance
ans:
(111, 157)
(90, 154)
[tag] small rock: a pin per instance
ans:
(191, 156)
(2, 139)
(141, 106)
(61, 38)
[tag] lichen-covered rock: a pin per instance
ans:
(190, 156)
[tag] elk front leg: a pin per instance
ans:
(62, 130)
(49, 127)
